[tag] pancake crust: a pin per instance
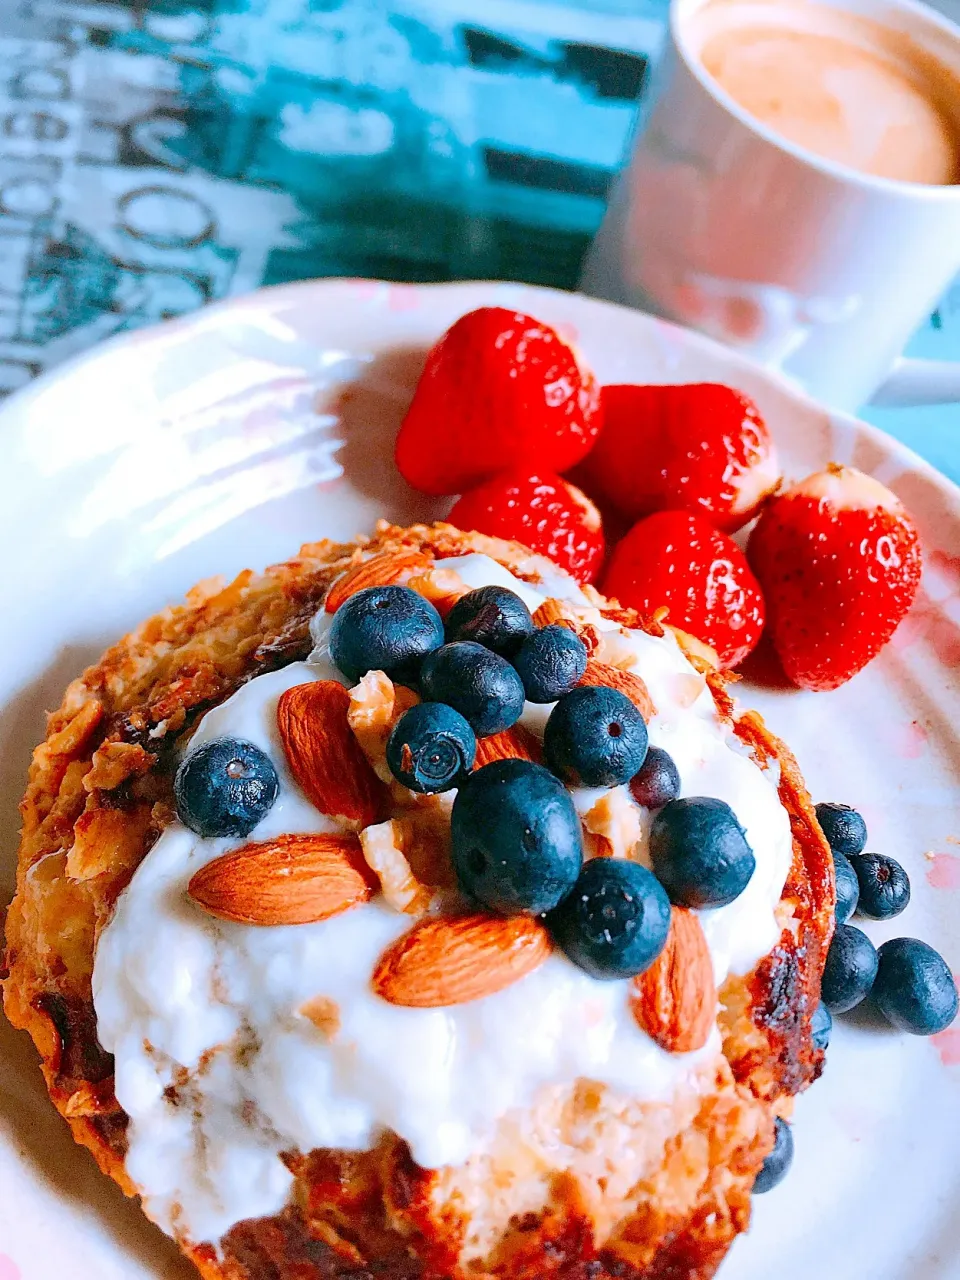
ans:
(100, 793)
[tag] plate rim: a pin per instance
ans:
(32, 394)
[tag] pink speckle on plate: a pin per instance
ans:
(947, 1044)
(365, 288)
(913, 740)
(944, 871)
(8, 1268)
(928, 621)
(403, 297)
(943, 564)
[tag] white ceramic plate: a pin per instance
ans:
(228, 438)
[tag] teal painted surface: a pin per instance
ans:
(158, 154)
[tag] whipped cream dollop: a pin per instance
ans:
(221, 1072)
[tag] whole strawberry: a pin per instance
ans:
(839, 561)
(499, 390)
(544, 512)
(702, 447)
(677, 559)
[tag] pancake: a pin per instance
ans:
(568, 1171)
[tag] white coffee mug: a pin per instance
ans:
(811, 267)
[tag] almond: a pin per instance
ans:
(288, 880)
(446, 961)
(675, 1000)
(376, 704)
(323, 754)
(379, 571)
(516, 743)
(627, 682)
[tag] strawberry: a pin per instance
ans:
(677, 559)
(499, 390)
(702, 447)
(543, 512)
(839, 559)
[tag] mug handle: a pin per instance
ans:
(916, 382)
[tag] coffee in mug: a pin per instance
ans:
(794, 190)
(835, 83)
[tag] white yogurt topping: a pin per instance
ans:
(211, 1008)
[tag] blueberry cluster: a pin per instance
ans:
(907, 980)
(516, 837)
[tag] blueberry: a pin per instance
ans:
(550, 663)
(492, 616)
(777, 1164)
(478, 683)
(914, 988)
(516, 838)
(821, 1025)
(658, 780)
(848, 888)
(700, 853)
(615, 922)
(884, 885)
(595, 737)
(389, 629)
(431, 748)
(850, 969)
(844, 828)
(225, 787)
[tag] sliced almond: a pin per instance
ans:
(324, 756)
(106, 840)
(617, 649)
(675, 1000)
(383, 849)
(324, 1013)
(379, 571)
(615, 819)
(71, 736)
(596, 846)
(446, 961)
(114, 762)
(425, 840)
(552, 612)
(442, 587)
(555, 612)
(288, 880)
(627, 682)
(516, 743)
(701, 656)
(376, 704)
